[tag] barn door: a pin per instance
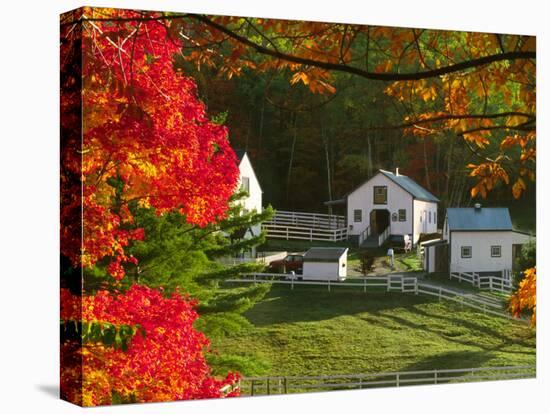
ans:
(441, 257)
(372, 222)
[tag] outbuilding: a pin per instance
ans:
(482, 240)
(388, 204)
(436, 255)
(325, 263)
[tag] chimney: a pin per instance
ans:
(477, 207)
(397, 171)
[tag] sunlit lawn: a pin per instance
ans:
(310, 331)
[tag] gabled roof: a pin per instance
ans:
(479, 219)
(407, 184)
(410, 186)
(324, 254)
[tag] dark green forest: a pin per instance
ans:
(307, 148)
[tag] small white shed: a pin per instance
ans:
(482, 240)
(325, 263)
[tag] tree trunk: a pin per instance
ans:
(327, 159)
(291, 161)
(426, 169)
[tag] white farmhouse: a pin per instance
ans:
(249, 183)
(482, 240)
(389, 204)
(325, 263)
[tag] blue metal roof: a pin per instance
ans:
(410, 186)
(484, 218)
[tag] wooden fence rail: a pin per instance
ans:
(316, 220)
(292, 225)
(295, 384)
(294, 232)
(391, 283)
(490, 283)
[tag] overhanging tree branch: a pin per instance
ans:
(450, 117)
(468, 64)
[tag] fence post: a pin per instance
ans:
(388, 283)
(310, 234)
(439, 296)
(490, 284)
(268, 389)
(292, 283)
(365, 285)
(328, 285)
(285, 385)
(397, 380)
(287, 233)
(252, 388)
(254, 274)
(435, 376)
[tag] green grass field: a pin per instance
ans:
(309, 331)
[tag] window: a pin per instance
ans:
(358, 216)
(496, 251)
(402, 215)
(394, 217)
(466, 252)
(380, 195)
(435, 217)
(430, 217)
(245, 184)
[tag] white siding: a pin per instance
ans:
(254, 199)
(362, 198)
(431, 259)
(481, 242)
(326, 271)
(446, 229)
(424, 218)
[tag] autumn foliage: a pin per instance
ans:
(164, 360)
(479, 87)
(525, 298)
(134, 133)
(146, 136)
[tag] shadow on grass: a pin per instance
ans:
(456, 330)
(452, 360)
(305, 304)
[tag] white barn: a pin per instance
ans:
(389, 204)
(325, 263)
(482, 240)
(249, 183)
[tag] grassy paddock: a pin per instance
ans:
(309, 331)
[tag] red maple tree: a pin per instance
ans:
(133, 131)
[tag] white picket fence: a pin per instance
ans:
(316, 220)
(501, 284)
(391, 283)
(269, 385)
(291, 225)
